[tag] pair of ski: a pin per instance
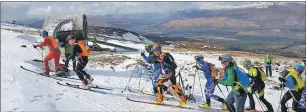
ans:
(67, 84)
(150, 94)
(94, 88)
(173, 106)
(149, 102)
(53, 77)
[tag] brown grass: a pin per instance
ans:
(195, 46)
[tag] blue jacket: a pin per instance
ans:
(156, 68)
(149, 58)
(205, 67)
(290, 83)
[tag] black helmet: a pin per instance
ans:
(70, 37)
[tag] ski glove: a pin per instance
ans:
(249, 89)
(215, 81)
(282, 85)
(196, 67)
(281, 79)
(34, 46)
(142, 54)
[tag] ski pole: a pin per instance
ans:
(140, 78)
(280, 97)
(260, 103)
(201, 88)
(182, 86)
(129, 79)
(195, 72)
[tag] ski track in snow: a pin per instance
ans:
(25, 91)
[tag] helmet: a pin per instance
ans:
(198, 57)
(226, 58)
(156, 47)
(44, 33)
(299, 67)
(70, 37)
(148, 46)
(246, 62)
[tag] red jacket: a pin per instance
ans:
(50, 42)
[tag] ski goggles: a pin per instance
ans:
(155, 49)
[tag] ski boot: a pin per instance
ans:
(46, 74)
(156, 101)
(61, 74)
(182, 103)
(269, 111)
(249, 108)
(89, 80)
(223, 107)
(205, 105)
(85, 84)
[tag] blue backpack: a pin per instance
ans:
(243, 78)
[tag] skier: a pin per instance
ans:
(257, 84)
(68, 52)
(294, 82)
(238, 94)
(54, 52)
(209, 86)
(80, 50)
(268, 63)
(168, 66)
(303, 98)
(156, 67)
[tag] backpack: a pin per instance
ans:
(262, 74)
(213, 70)
(242, 77)
(169, 59)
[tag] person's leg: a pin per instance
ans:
(297, 96)
(260, 92)
(287, 96)
(176, 87)
(251, 101)
(240, 98)
(67, 60)
(209, 90)
(154, 78)
(79, 71)
(46, 62)
(267, 72)
(58, 66)
(84, 63)
(159, 89)
(230, 101)
(270, 71)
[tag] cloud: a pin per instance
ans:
(25, 10)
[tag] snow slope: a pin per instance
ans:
(24, 91)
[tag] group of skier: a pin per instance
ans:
(230, 75)
(73, 48)
(164, 70)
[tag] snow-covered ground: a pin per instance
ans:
(25, 91)
(129, 37)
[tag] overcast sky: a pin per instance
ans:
(24, 10)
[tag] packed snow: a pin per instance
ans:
(25, 91)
